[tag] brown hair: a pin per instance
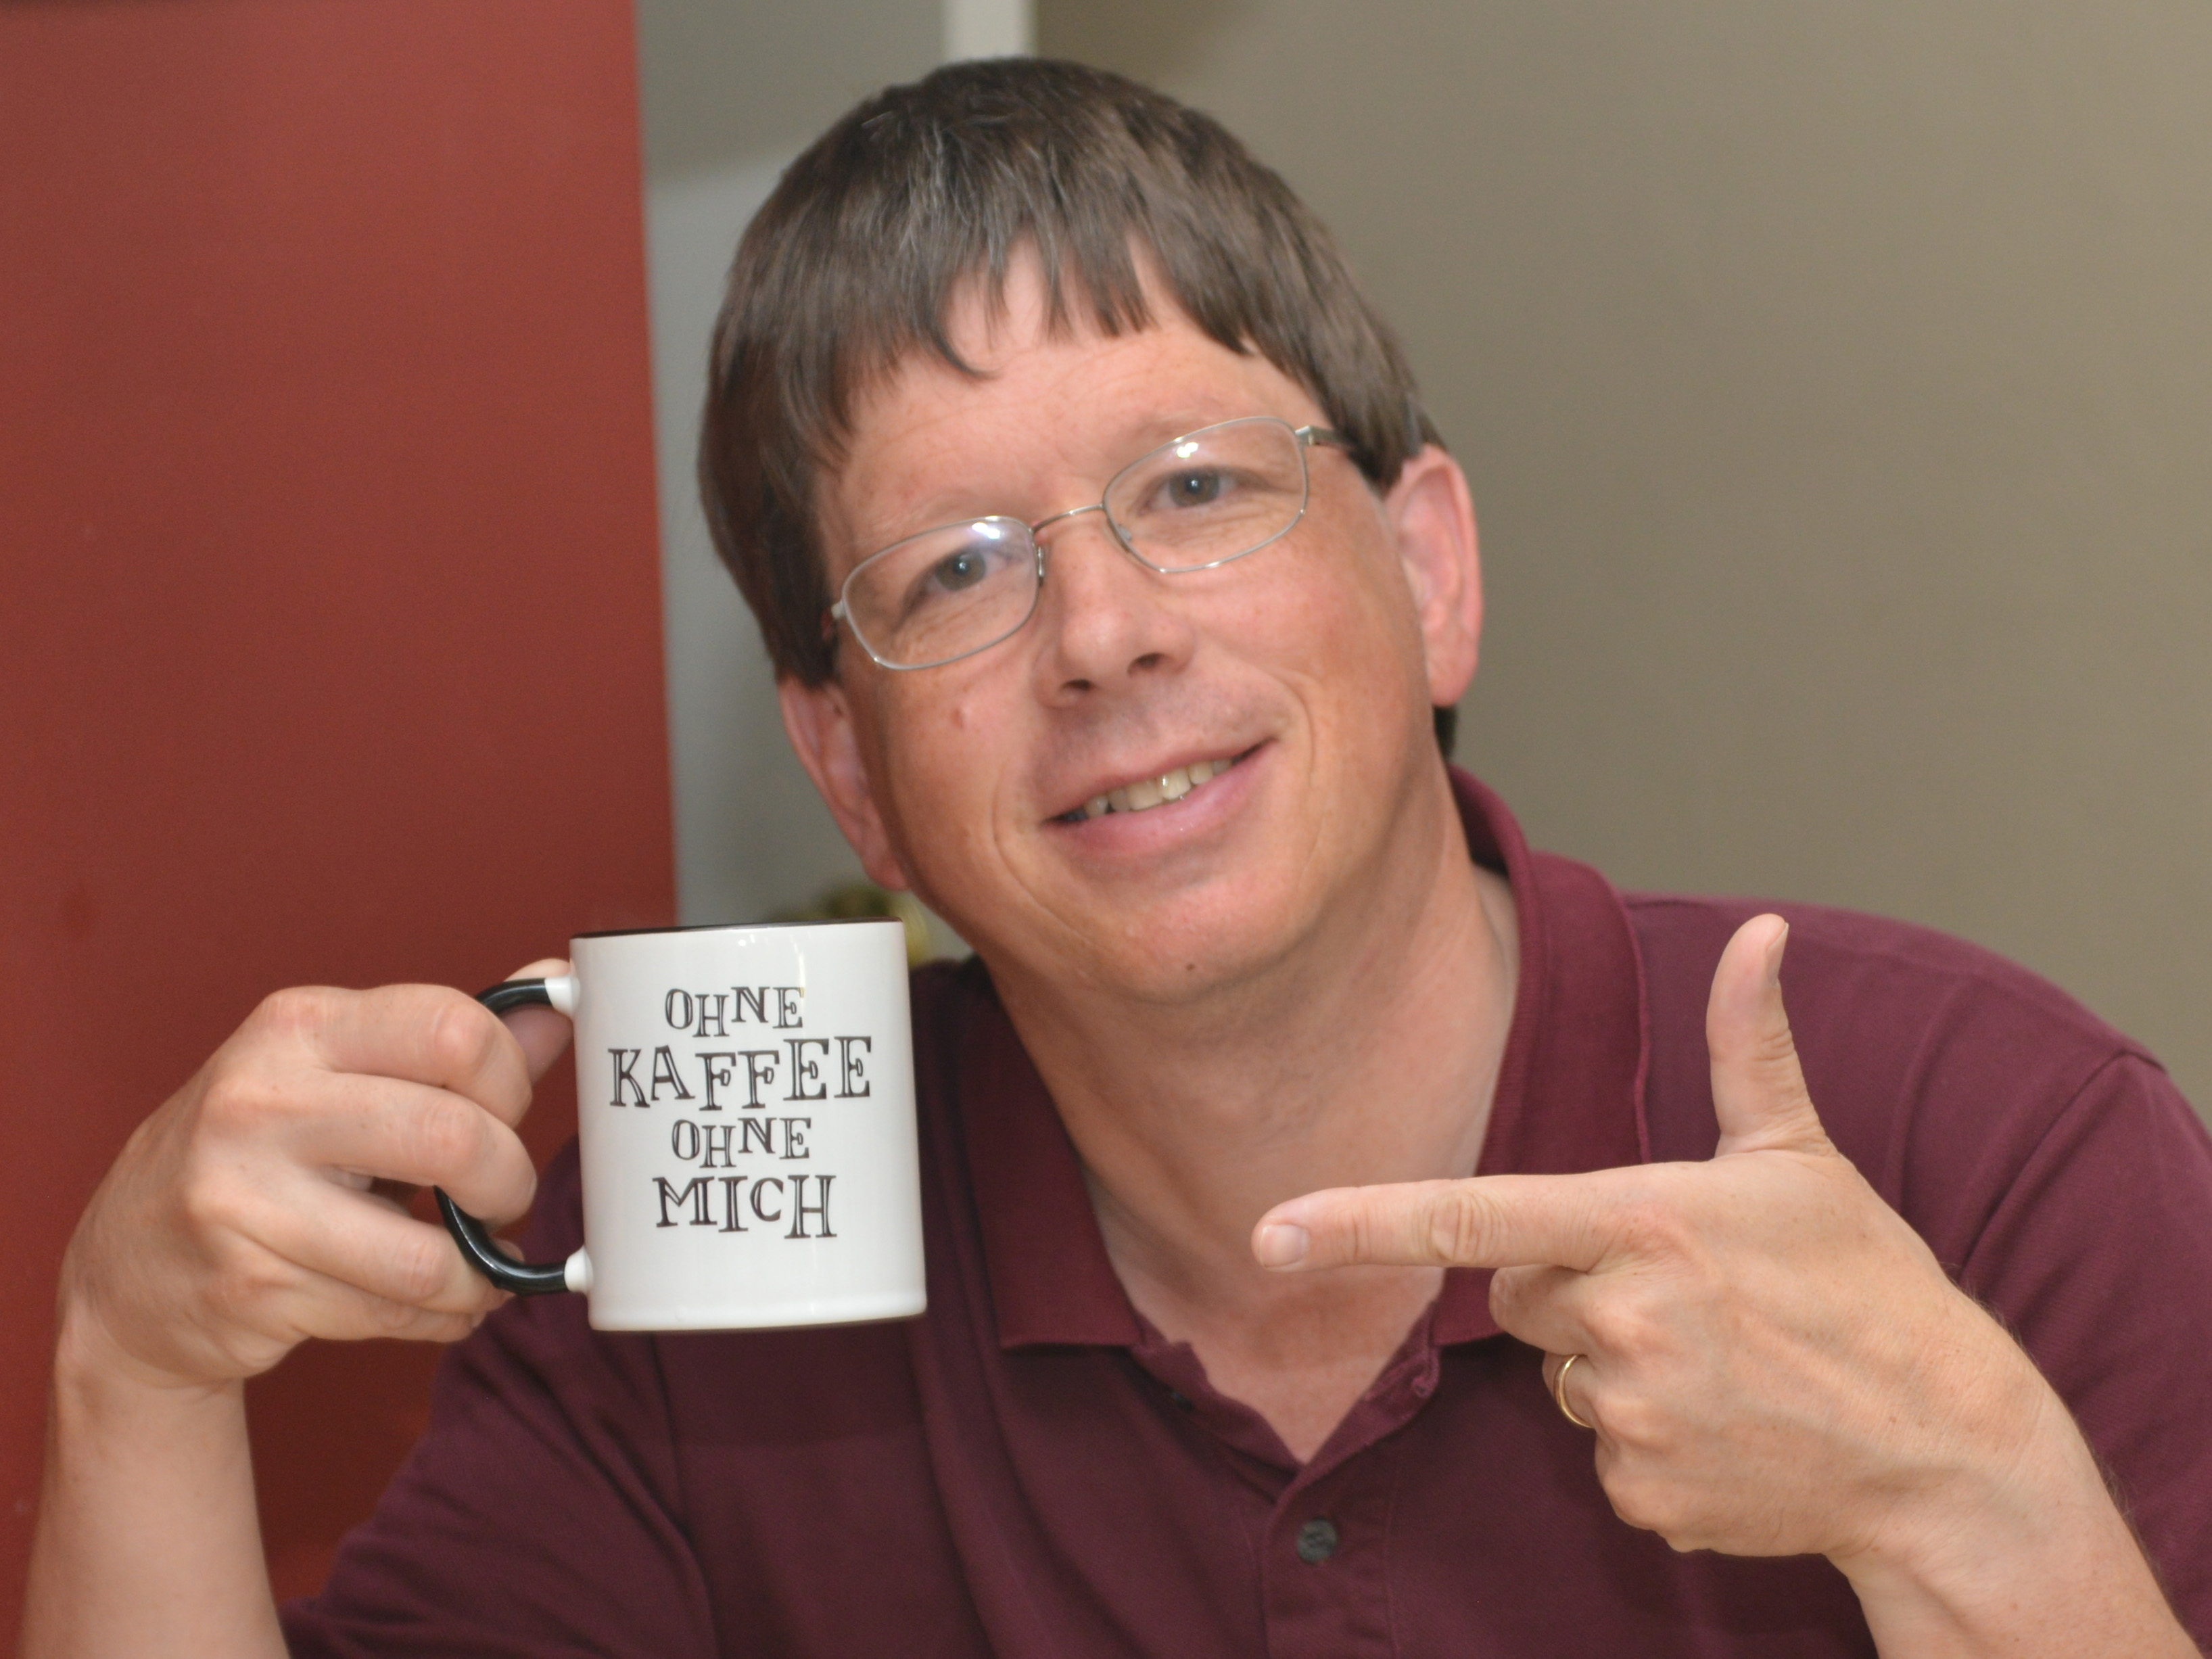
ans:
(851, 263)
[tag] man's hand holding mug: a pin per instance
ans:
(266, 1201)
(257, 1207)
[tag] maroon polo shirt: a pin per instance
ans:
(1030, 1469)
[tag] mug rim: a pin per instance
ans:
(741, 926)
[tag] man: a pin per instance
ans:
(1112, 579)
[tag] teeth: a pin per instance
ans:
(1152, 792)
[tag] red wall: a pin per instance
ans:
(329, 609)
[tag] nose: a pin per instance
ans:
(1106, 623)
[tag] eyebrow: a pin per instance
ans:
(936, 510)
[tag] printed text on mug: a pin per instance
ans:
(688, 1077)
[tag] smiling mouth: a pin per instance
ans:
(1147, 792)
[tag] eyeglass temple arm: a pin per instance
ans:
(1310, 435)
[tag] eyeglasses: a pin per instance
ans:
(1195, 503)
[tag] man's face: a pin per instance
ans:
(1301, 670)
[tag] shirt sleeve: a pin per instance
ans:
(2098, 1255)
(539, 1516)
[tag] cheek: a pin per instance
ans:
(1336, 615)
(939, 779)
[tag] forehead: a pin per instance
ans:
(1047, 412)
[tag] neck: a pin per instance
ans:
(1369, 1054)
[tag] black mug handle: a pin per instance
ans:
(523, 1278)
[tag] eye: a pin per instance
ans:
(1193, 488)
(957, 571)
(979, 559)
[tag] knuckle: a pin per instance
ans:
(1657, 1226)
(1510, 1293)
(241, 1097)
(1634, 1501)
(440, 1136)
(202, 1208)
(390, 1318)
(1633, 1422)
(296, 1011)
(416, 1271)
(241, 1289)
(1461, 1223)
(226, 1301)
(1622, 1327)
(460, 1035)
(258, 1283)
(208, 1205)
(1370, 1234)
(1644, 1500)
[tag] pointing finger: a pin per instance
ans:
(1490, 1221)
(1758, 1088)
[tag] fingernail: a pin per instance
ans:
(1281, 1244)
(1774, 951)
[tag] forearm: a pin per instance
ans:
(147, 1539)
(2043, 1565)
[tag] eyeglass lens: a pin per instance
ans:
(1201, 501)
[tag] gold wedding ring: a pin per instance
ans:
(1559, 1394)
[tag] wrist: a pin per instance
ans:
(2021, 1550)
(97, 1374)
(147, 1538)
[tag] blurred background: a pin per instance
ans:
(1836, 383)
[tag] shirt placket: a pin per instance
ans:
(1325, 1569)
(1325, 1547)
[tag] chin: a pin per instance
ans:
(1190, 958)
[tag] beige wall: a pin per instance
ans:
(1837, 384)
(732, 89)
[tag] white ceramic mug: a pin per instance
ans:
(744, 1103)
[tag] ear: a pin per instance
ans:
(819, 722)
(1431, 513)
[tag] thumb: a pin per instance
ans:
(542, 1033)
(1758, 1089)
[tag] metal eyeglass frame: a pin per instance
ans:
(1307, 437)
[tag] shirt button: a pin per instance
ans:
(1316, 1541)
